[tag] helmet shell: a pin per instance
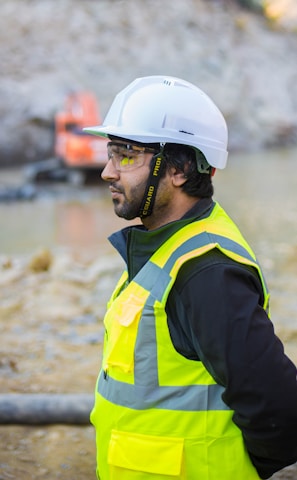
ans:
(160, 109)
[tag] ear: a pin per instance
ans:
(178, 177)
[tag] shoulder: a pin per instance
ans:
(217, 275)
(215, 263)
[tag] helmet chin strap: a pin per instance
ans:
(149, 197)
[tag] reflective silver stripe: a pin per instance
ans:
(203, 239)
(154, 279)
(145, 354)
(141, 397)
(147, 276)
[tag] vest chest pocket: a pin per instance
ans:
(134, 456)
(121, 324)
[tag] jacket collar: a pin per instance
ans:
(136, 244)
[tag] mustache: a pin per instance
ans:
(114, 187)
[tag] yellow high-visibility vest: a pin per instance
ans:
(157, 414)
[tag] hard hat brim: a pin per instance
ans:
(216, 154)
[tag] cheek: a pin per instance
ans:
(134, 185)
(137, 190)
(164, 192)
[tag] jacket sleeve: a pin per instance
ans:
(232, 334)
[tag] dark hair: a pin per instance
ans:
(184, 158)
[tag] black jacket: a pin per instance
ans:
(215, 316)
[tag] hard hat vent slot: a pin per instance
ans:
(168, 82)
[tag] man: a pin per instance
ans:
(194, 383)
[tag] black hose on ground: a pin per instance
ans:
(47, 408)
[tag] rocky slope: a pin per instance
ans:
(244, 61)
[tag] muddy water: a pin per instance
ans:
(56, 317)
(60, 216)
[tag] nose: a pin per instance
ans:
(109, 172)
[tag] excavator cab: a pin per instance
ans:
(76, 152)
(75, 148)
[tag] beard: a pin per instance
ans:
(129, 204)
(126, 210)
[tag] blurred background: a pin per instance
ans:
(241, 52)
(62, 63)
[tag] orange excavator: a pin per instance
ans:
(76, 152)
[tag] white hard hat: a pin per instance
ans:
(160, 109)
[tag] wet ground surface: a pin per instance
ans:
(57, 270)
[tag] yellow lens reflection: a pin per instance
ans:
(127, 161)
